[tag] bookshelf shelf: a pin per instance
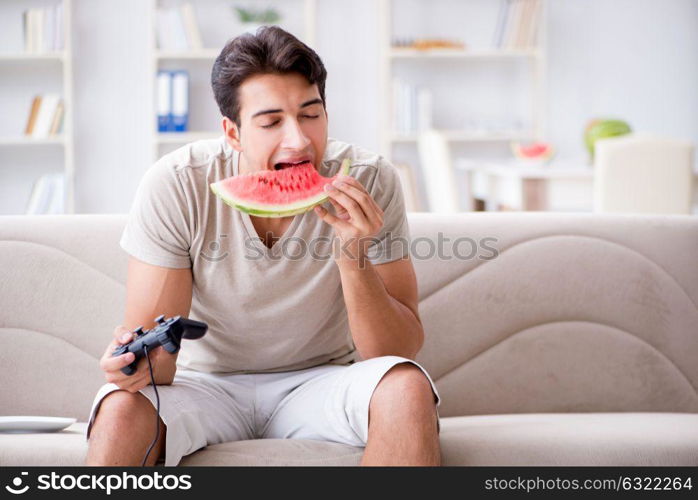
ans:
(18, 64)
(462, 54)
(32, 141)
(465, 136)
(192, 54)
(184, 137)
(26, 57)
(410, 92)
(196, 61)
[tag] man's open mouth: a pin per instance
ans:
(281, 166)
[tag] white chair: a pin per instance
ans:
(643, 173)
(437, 172)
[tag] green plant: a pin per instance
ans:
(267, 16)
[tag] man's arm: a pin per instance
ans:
(381, 299)
(381, 305)
(150, 291)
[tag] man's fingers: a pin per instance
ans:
(350, 205)
(332, 220)
(367, 204)
(123, 335)
(339, 210)
(114, 363)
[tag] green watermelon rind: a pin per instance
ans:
(287, 210)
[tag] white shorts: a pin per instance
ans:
(326, 402)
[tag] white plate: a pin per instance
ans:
(34, 424)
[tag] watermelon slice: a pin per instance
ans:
(277, 193)
(537, 151)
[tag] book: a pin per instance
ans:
(535, 22)
(43, 29)
(409, 187)
(180, 101)
(45, 116)
(519, 26)
(164, 100)
(191, 27)
(47, 195)
(36, 104)
(501, 23)
(177, 28)
(57, 124)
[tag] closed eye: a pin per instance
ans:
(277, 121)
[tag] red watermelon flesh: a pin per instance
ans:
(277, 193)
(534, 151)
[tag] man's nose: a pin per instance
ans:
(294, 137)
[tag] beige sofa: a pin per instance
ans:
(577, 344)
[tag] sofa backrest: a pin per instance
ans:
(523, 312)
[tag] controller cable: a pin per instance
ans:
(157, 398)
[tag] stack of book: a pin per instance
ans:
(45, 117)
(177, 28)
(47, 195)
(173, 101)
(43, 29)
(517, 25)
(412, 107)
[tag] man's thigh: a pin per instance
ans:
(334, 406)
(198, 409)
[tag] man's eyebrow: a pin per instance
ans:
(304, 105)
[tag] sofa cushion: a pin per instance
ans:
(571, 439)
(631, 439)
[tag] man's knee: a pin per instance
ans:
(125, 410)
(129, 416)
(404, 383)
(119, 403)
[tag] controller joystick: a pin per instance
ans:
(167, 333)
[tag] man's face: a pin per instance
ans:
(282, 120)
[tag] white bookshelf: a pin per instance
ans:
(446, 61)
(199, 64)
(398, 53)
(204, 54)
(22, 57)
(33, 141)
(19, 64)
(184, 137)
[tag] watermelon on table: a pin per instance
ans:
(537, 151)
(277, 193)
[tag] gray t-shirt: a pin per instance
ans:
(268, 309)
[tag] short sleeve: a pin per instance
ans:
(393, 240)
(157, 230)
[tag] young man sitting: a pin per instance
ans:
(305, 348)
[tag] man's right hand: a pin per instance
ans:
(164, 364)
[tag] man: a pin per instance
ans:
(307, 348)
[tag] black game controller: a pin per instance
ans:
(168, 333)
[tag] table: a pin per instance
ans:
(526, 185)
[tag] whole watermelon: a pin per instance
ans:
(601, 129)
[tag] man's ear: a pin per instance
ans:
(232, 134)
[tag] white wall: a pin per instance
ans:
(630, 58)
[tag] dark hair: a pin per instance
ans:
(271, 50)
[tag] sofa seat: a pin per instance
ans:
(540, 439)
